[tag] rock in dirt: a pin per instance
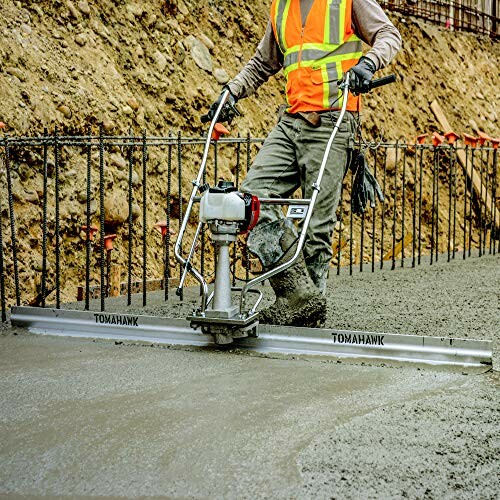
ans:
(115, 208)
(181, 6)
(84, 7)
(118, 161)
(200, 54)
(206, 41)
(31, 196)
(136, 211)
(72, 9)
(81, 39)
(160, 60)
(133, 103)
(108, 125)
(18, 73)
(135, 9)
(221, 76)
(65, 110)
(136, 180)
(81, 196)
(180, 54)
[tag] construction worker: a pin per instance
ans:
(315, 42)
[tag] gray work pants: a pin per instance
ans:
(290, 158)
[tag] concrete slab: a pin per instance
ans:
(86, 418)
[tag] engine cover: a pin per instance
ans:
(224, 203)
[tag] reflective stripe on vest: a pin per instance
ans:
(317, 54)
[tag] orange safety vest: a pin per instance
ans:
(316, 55)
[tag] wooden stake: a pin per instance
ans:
(399, 247)
(471, 172)
(114, 281)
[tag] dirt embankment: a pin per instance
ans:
(157, 66)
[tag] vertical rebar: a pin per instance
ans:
(470, 200)
(340, 220)
(238, 159)
(350, 228)
(414, 210)
(485, 202)
(57, 229)
(247, 252)
(2, 273)
(403, 187)
(374, 212)
(493, 205)
(393, 266)
(144, 217)
(450, 188)
(3, 304)
(167, 215)
(88, 242)
(433, 207)
(454, 197)
(480, 203)
(362, 241)
(465, 201)
(44, 217)
(101, 216)
(438, 168)
(237, 175)
(383, 210)
(420, 186)
(130, 218)
(179, 172)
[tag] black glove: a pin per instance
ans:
(364, 186)
(361, 76)
(228, 111)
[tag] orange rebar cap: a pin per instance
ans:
(420, 139)
(483, 138)
(437, 139)
(451, 137)
(162, 228)
(92, 231)
(470, 140)
(108, 241)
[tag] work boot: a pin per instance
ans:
(298, 301)
(318, 271)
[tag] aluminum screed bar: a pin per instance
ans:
(455, 354)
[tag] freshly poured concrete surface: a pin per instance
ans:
(83, 418)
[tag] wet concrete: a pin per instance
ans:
(82, 418)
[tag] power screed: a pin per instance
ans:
(227, 213)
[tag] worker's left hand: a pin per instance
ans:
(361, 76)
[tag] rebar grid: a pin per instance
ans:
(431, 208)
(465, 15)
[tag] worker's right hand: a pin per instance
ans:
(228, 111)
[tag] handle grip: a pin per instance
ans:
(378, 82)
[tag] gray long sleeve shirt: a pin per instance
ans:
(369, 22)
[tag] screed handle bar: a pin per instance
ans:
(378, 82)
(196, 185)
